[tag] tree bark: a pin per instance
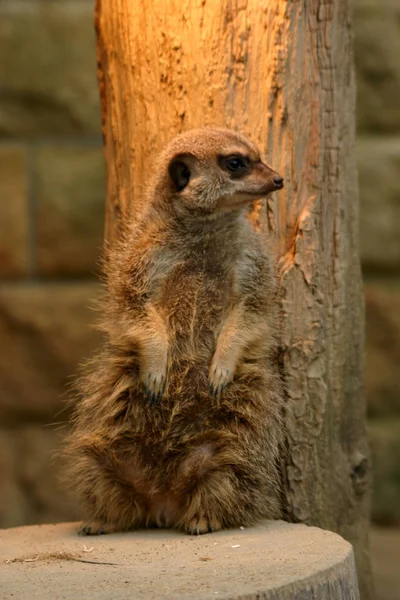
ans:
(280, 72)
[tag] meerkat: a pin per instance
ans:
(179, 418)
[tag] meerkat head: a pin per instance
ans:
(214, 170)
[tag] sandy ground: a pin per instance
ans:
(52, 562)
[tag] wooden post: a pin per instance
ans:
(281, 72)
(273, 561)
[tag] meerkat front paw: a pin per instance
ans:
(219, 378)
(96, 528)
(154, 386)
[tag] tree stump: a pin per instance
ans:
(274, 561)
(280, 72)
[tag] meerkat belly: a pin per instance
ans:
(196, 301)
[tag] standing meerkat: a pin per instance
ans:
(179, 420)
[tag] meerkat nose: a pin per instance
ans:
(278, 182)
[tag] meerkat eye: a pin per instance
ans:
(236, 164)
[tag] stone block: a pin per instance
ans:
(30, 489)
(377, 51)
(48, 68)
(378, 161)
(45, 332)
(70, 210)
(385, 448)
(13, 503)
(385, 558)
(382, 347)
(13, 211)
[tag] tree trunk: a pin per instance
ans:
(280, 72)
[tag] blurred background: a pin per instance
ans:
(52, 196)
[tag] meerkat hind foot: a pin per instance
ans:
(96, 528)
(201, 524)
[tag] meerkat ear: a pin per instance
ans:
(179, 171)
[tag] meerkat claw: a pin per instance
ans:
(154, 390)
(151, 399)
(217, 392)
(84, 531)
(96, 528)
(146, 386)
(220, 381)
(92, 528)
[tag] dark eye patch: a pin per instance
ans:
(179, 173)
(236, 164)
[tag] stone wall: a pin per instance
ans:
(51, 228)
(377, 52)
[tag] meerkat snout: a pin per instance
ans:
(278, 182)
(216, 170)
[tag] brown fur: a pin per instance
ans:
(179, 418)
